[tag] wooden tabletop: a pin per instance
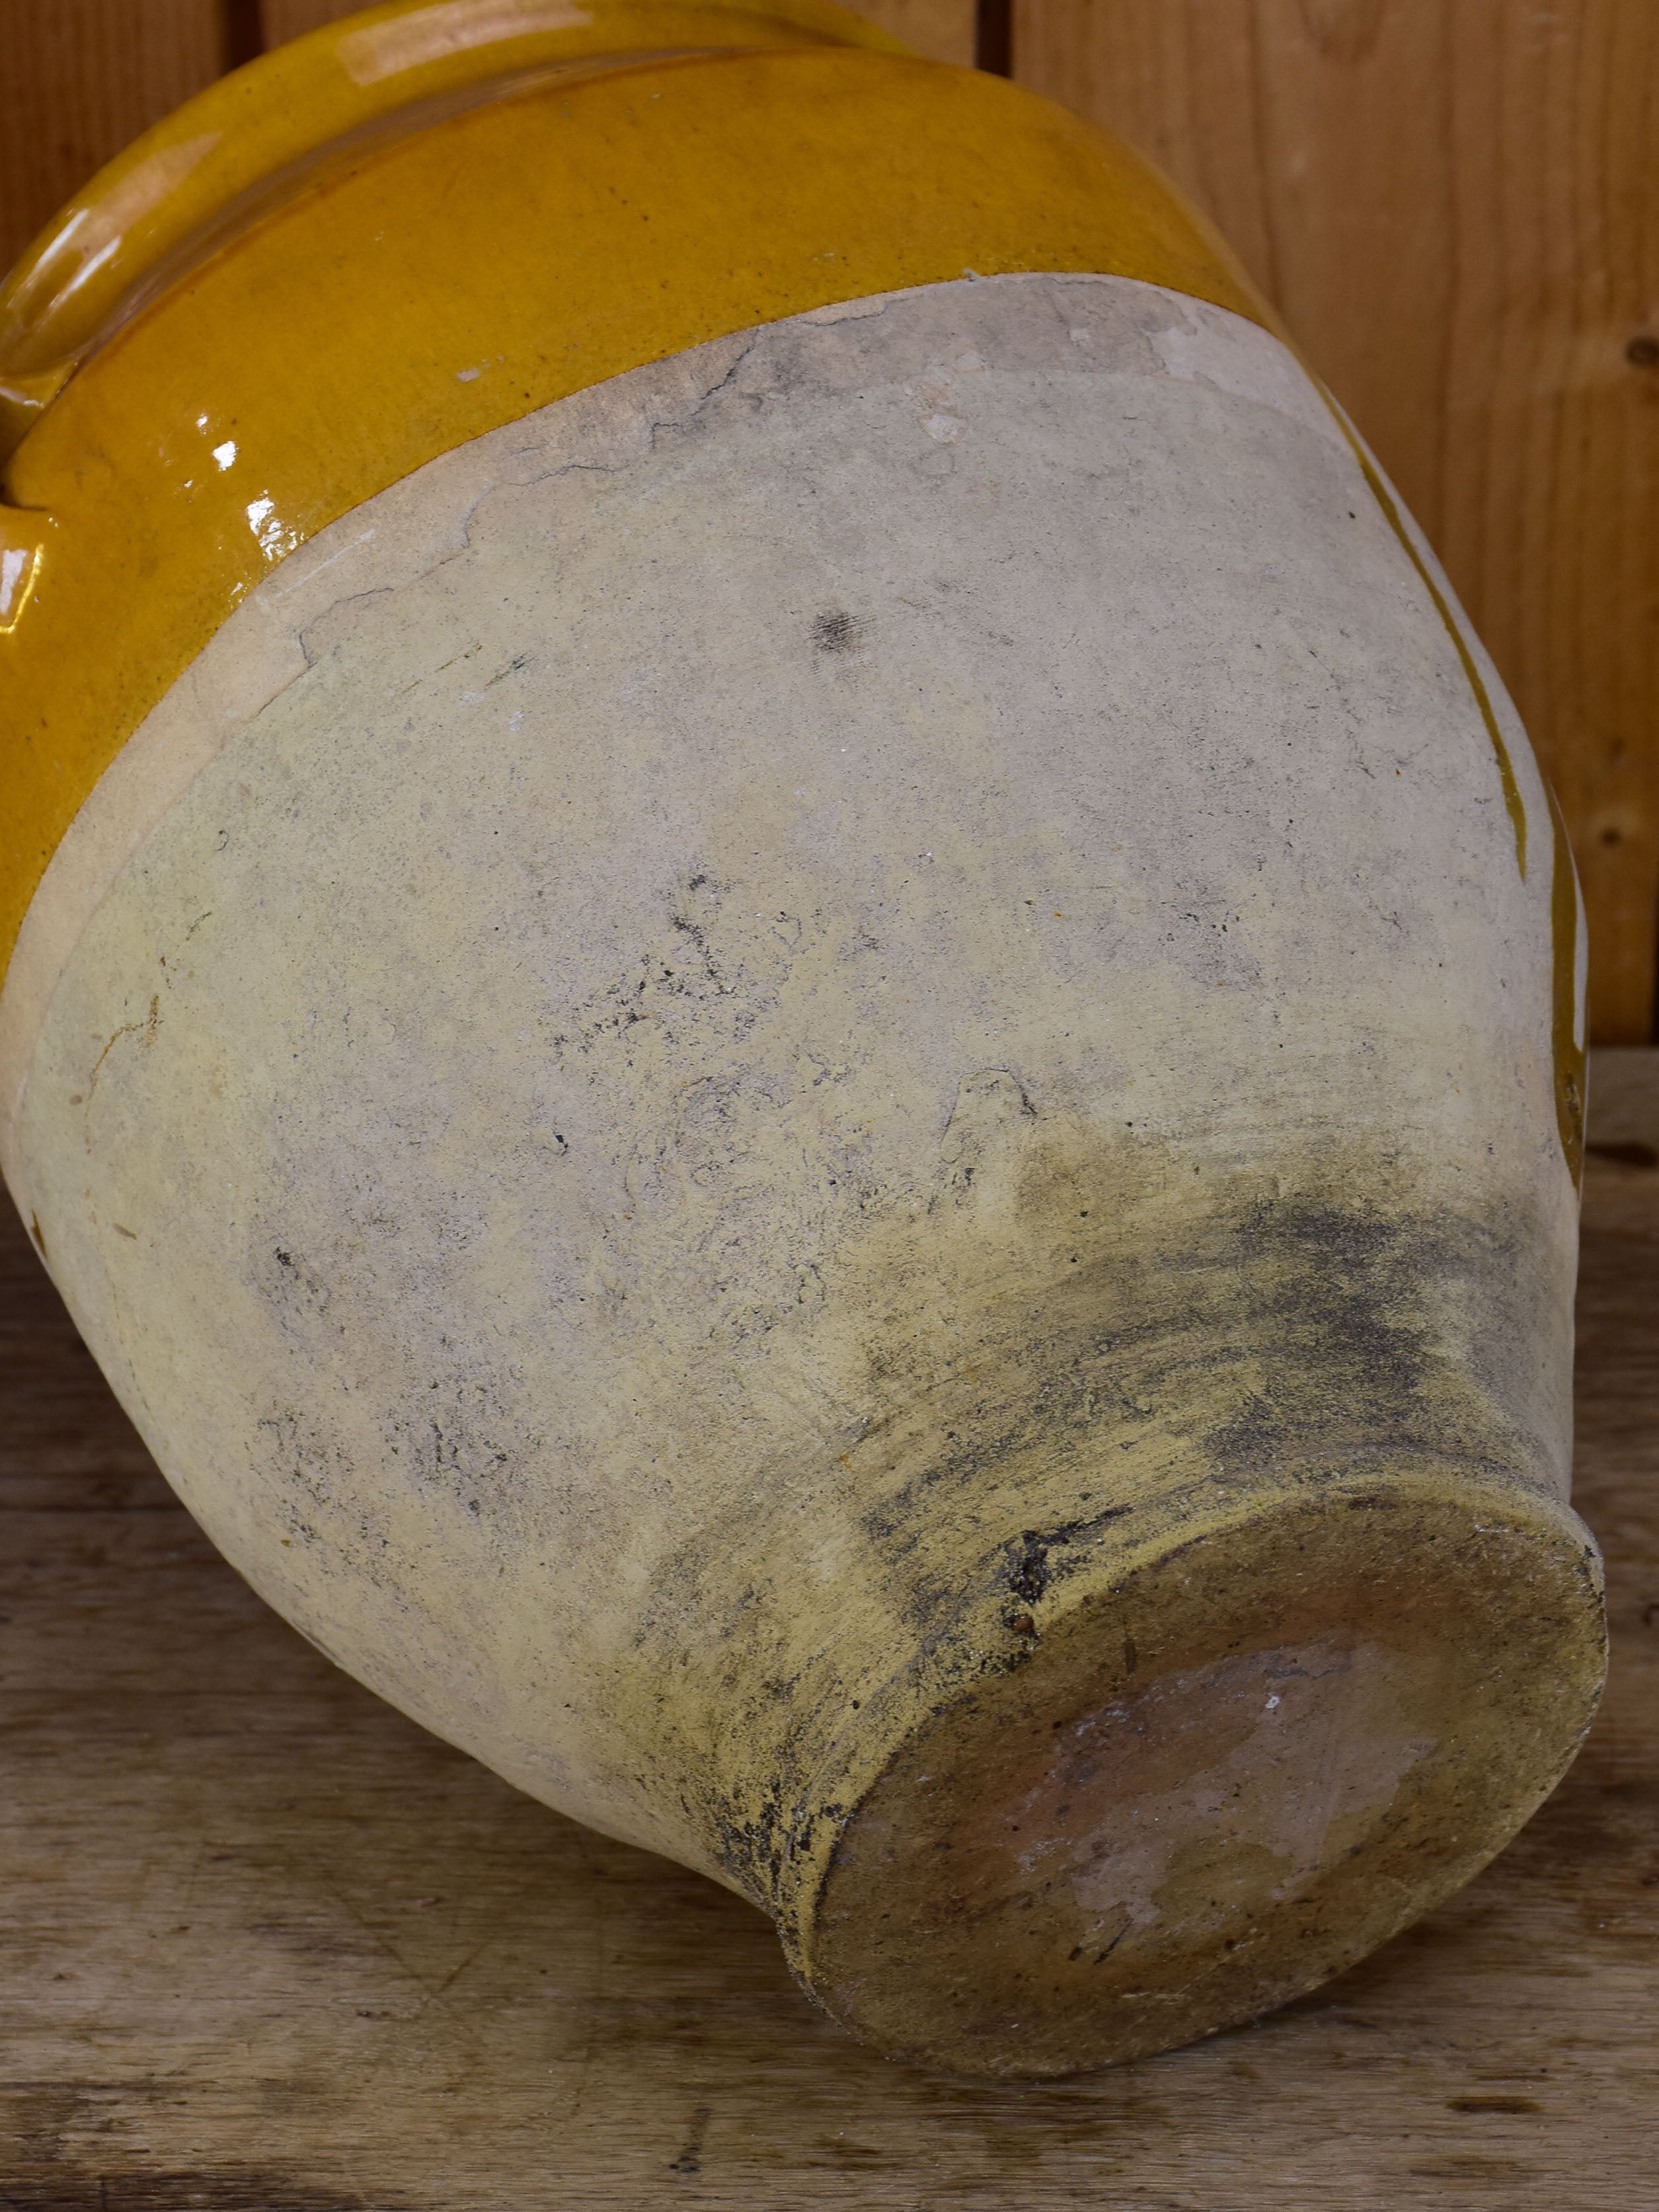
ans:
(267, 1947)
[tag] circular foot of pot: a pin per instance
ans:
(1214, 1779)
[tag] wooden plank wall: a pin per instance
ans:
(1454, 203)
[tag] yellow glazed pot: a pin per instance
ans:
(789, 1004)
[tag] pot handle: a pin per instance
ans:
(159, 209)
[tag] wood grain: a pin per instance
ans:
(1456, 206)
(941, 28)
(79, 79)
(264, 1946)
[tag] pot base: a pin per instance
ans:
(1217, 1780)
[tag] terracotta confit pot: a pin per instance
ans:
(791, 1007)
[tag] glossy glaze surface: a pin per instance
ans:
(255, 136)
(423, 291)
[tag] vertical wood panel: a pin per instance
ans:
(1455, 203)
(941, 28)
(79, 79)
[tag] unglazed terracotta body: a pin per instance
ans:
(829, 1095)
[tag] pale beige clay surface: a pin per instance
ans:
(269, 1947)
(817, 1098)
